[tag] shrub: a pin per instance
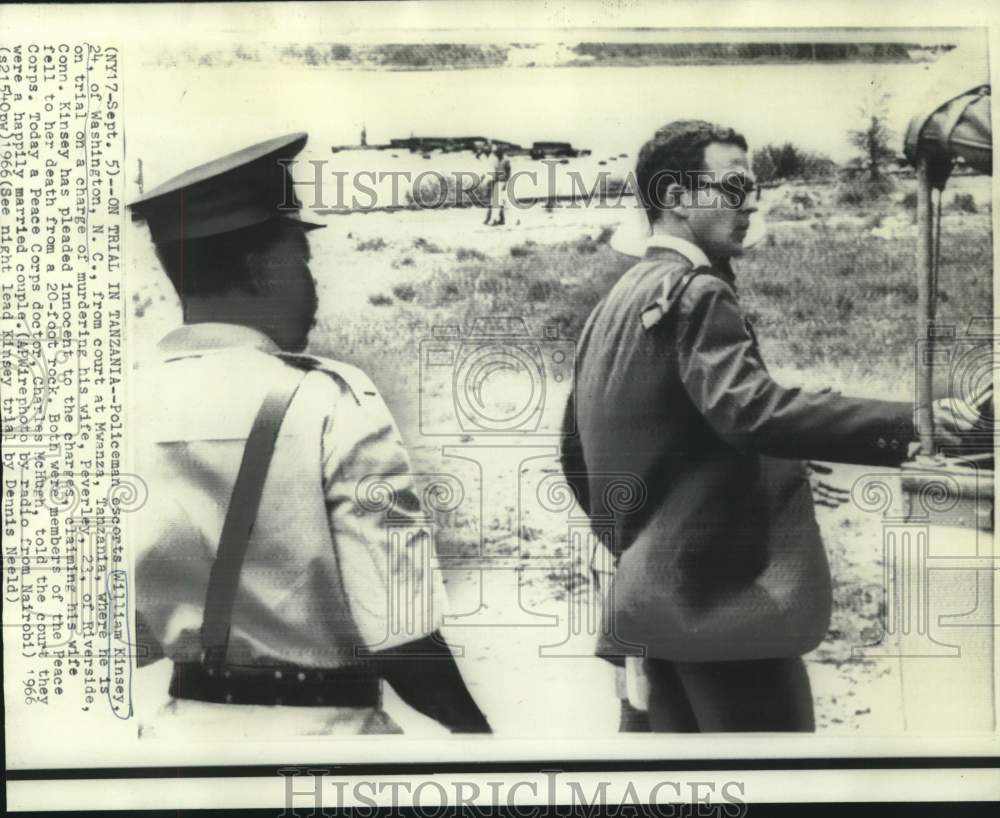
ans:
(469, 254)
(857, 191)
(909, 201)
(488, 286)
(371, 245)
(522, 250)
(427, 246)
(964, 203)
(794, 205)
(404, 292)
(540, 290)
(787, 161)
(787, 213)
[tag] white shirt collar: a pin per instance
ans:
(193, 338)
(690, 251)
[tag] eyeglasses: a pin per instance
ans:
(736, 189)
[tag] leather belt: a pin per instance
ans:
(290, 686)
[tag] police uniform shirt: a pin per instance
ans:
(338, 547)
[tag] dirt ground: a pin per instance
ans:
(534, 591)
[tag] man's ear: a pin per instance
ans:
(677, 200)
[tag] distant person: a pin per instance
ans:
(262, 573)
(497, 180)
(721, 580)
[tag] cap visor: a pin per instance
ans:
(307, 226)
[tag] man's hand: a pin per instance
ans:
(954, 415)
(825, 494)
(955, 423)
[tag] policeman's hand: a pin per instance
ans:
(425, 676)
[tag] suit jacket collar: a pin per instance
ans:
(691, 252)
(657, 245)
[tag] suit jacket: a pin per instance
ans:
(723, 559)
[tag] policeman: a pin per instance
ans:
(281, 564)
(722, 581)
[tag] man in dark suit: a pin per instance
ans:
(721, 580)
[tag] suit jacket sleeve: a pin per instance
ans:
(724, 376)
(571, 456)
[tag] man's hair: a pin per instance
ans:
(215, 265)
(676, 153)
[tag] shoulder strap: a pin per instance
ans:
(241, 515)
(670, 295)
(360, 385)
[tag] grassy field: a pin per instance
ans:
(833, 299)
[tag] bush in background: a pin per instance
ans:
(874, 141)
(862, 191)
(785, 162)
(964, 203)
(795, 205)
(370, 245)
(404, 292)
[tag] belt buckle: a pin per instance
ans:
(213, 659)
